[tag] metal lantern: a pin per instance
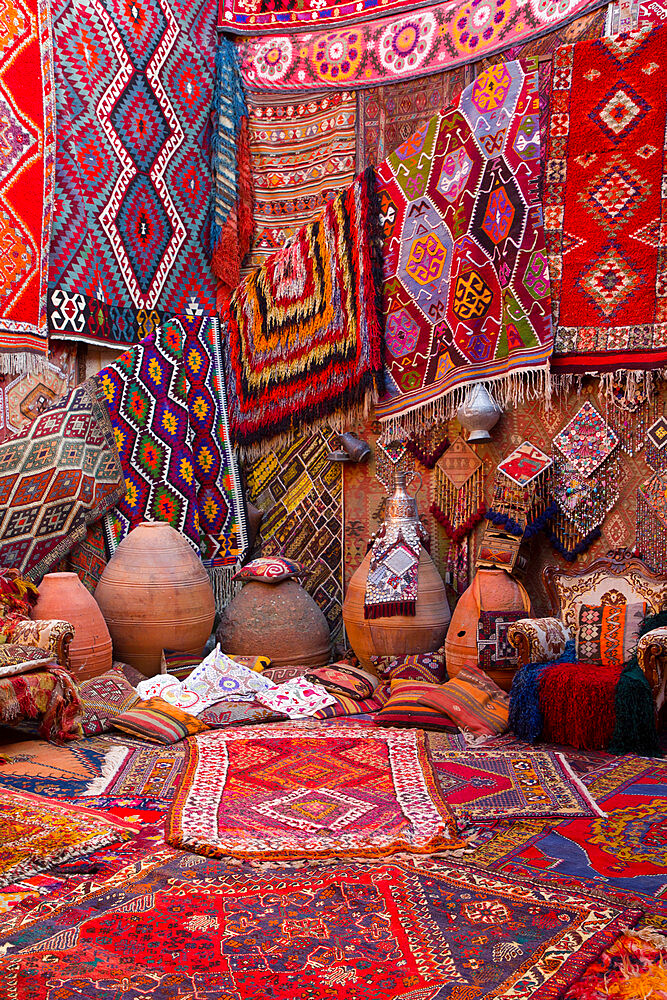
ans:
(478, 413)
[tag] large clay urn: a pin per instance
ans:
(62, 595)
(280, 620)
(490, 590)
(154, 594)
(393, 636)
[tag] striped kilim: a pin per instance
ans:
(134, 86)
(27, 147)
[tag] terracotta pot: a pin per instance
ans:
(154, 594)
(280, 620)
(490, 590)
(62, 595)
(401, 633)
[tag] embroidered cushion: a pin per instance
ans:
(16, 658)
(270, 569)
(406, 708)
(427, 667)
(103, 698)
(238, 713)
(472, 701)
(158, 722)
(342, 679)
(607, 633)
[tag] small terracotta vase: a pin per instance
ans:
(62, 595)
(155, 594)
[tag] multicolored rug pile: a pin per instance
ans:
(466, 289)
(633, 968)
(280, 792)
(302, 338)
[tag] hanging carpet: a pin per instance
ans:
(134, 90)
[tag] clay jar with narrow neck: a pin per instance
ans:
(155, 594)
(62, 595)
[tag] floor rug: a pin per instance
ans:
(27, 114)
(47, 769)
(466, 290)
(399, 48)
(633, 968)
(48, 698)
(130, 238)
(57, 476)
(148, 772)
(38, 833)
(303, 154)
(280, 793)
(302, 337)
(604, 249)
(504, 784)
(354, 931)
(301, 496)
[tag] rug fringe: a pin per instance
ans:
(224, 587)
(113, 761)
(23, 363)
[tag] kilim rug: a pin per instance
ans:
(399, 48)
(23, 397)
(466, 291)
(167, 404)
(301, 495)
(504, 784)
(89, 557)
(277, 792)
(49, 697)
(302, 148)
(55, 771)
(148, 772)
(353, 930)
(37, 833)
(57, 476)
(302, 337)
(605, 203)
(134, 90)
(27, 123)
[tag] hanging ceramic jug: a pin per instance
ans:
(398, 634)
(62, 595)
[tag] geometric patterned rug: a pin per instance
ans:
(281, 792)
(144, 771)
(350, 930)
(59, 771)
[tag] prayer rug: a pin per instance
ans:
(27, 122)
(466, 291)
(399, 48)
(303, 154)
(133, 177)
(38, 833)
(503, 784)
(167, 403)
(49, 696)
(622, 854)
(605, 202)
(142, 770)
(46, 769)
(301, 496)
(281, 793)
(359, 930)
(57, 476)
(302, 335)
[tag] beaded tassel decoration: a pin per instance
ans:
(629, 411)
(652, 522)
(427, 444)
(581, 506)
(392, 457)
(459, 490)
(520, 502)
(656, 445)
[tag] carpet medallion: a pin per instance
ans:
(504, 784)
(280, 793)
(354, 931)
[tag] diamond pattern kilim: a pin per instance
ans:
(134, 87)
(605, 202)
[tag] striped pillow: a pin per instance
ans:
(405, 707)
(472, 701)
(345, 705)
(157, 721)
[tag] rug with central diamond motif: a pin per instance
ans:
(284, 793)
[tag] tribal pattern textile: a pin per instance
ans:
(130, 239)
(27, 125)
(301, 495)
(89, 557)
(167, 404)
(302, 335)
(57, 476)
(633, 966)
(280, 792)
(605, 202)
(524, 464)
(48, 696)
(494, 650)
(257, 17)
(37, 833)
(509, 784)
(302, 148)
(140, 770)
(54, 771)
(586, 441)
(652, 522)
(23, 397)
(392, 49)
(349, 929)
(393, 574)
(466, 291)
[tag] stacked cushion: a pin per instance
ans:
(472, 701)
(343, 679)
(103, 698)
(158, 722)
(405, 707)
(427, 667)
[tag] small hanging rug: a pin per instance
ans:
(501, 784)
(284, 793)
(37, 834)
